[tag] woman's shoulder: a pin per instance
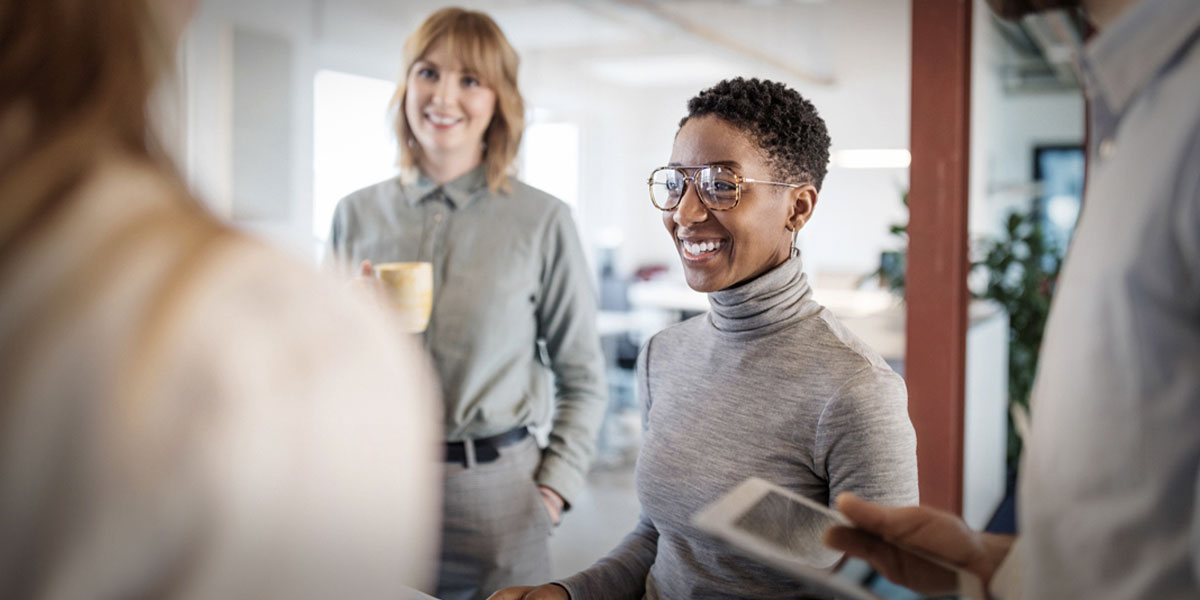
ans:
(266, 286)
(534, 198)
(827, 339)
(384, 190)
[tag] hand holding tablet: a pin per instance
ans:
(788, 531)
(925, 549)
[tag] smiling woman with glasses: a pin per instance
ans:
(768, 383)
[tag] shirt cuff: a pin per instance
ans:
(1006, 581)
(558, 475)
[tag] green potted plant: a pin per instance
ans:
(1021, 266)
(1018, 269)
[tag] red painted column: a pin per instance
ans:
(936, 288)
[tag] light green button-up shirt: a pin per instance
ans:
(509, 273)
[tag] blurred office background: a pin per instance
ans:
(281, 109)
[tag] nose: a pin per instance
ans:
(690, 209)
(443, 91)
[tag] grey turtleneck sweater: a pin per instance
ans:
(768, 383)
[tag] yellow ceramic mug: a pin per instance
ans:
(408, 287)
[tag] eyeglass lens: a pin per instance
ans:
(716, 186)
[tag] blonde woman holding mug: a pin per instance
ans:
(512, 301)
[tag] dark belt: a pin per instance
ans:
(486, 449)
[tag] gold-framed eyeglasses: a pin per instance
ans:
(718, 187)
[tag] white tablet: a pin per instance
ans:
(784, 530)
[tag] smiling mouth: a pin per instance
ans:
(442, 122)
(701, 250)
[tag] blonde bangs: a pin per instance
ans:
(481, 48)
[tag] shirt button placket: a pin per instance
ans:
(431, 244)
(433, 232)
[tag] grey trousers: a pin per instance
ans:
(495, 529)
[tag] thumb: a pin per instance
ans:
(365, 269)
(862, 513)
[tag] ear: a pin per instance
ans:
(803, 203)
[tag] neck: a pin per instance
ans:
(1103, 13)
(448, 167)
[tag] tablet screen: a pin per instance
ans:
(791, 526)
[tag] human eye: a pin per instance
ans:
(471, 81)
(427, 73)
(720, 179)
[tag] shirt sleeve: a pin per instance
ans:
(866, 440)
(1006, 581)
(335, 257)
(566, 320)
(622, 573)
(1186, 225)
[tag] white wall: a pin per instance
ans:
(208, 58)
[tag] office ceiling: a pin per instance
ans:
(788, 34)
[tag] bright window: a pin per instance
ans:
(353, 144)
(551, 161)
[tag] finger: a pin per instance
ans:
(365, 269)
(511, 593)
(552, 510)
(864, 514)
(854, 543)
(911, 524)
(549, 591)
(894, 563)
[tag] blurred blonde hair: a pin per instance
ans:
(480, 46)
(75, 80)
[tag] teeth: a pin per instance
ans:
(441, 120)
(698, 248)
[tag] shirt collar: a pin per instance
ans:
(1128, 55)
(459, 192)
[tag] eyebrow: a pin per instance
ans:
(716, 163)
(462, 70)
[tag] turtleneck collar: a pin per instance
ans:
(765, 304)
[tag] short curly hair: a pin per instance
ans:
(784, 124)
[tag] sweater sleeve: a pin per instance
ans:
(623, 572)
(866, 442)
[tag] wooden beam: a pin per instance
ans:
(936, 285)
